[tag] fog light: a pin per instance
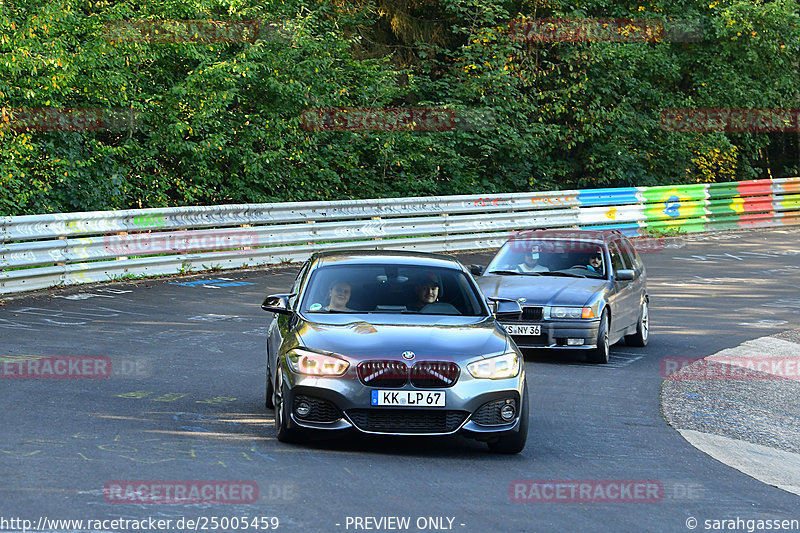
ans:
(508, 411)
(302, 409)
(575, 342)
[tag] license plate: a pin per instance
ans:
(514, 329)
(408, 398)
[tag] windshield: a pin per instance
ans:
(392, 289)
(550, 257)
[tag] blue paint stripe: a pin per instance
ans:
(193, 283)
(621, 196)
(200, 282)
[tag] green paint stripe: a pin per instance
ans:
(717, 225)
(663, 193)
(723, 190)
(686, 226)
(723, 206)
(674, 211)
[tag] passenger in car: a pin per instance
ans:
(531, 263)
(339, 296)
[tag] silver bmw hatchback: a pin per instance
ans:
(394, 343)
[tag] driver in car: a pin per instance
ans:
(595, 263)
(339, 295)
(427, 291)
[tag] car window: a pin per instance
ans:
(617, 260)
(630, 255)
(513, 253)
(554, 256)
(391, 288)
(297, 282)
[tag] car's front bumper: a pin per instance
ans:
(556, 334)
(470, 406)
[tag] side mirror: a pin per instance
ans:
(624, 275)
(476, 270)
(506, 308)
(277, 303)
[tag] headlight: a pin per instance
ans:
(316, 364)
(572, 312)
(500, 367)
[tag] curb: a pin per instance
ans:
(751, 424)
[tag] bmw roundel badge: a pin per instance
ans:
(409, 355)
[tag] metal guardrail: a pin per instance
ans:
(42, 251)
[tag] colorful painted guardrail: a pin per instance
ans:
(41, 251)
(693, 208)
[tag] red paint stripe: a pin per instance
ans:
(754, 187)
(757, 205)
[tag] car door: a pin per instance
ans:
(279, 325)
(625, 302)
(639, 284)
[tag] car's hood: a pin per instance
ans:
(446, 339)
(543, 290)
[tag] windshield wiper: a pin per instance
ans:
(564, 274)
(514, 272)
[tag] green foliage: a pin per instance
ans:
(221, 122)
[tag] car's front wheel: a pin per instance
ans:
(269, 392)
(600, 354)
(282, 410)
(515, 442)
(642, 328)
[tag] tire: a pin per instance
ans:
(515, 442)
(600, 354)
(270, 390)
(281, 410)
(642, 328)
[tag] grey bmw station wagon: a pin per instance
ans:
(578, 289)
(394, 343)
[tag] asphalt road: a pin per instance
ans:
(185, 401)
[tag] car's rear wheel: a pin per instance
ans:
(642, 328)
(515, 442)
(600, 354)
(282, 410)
